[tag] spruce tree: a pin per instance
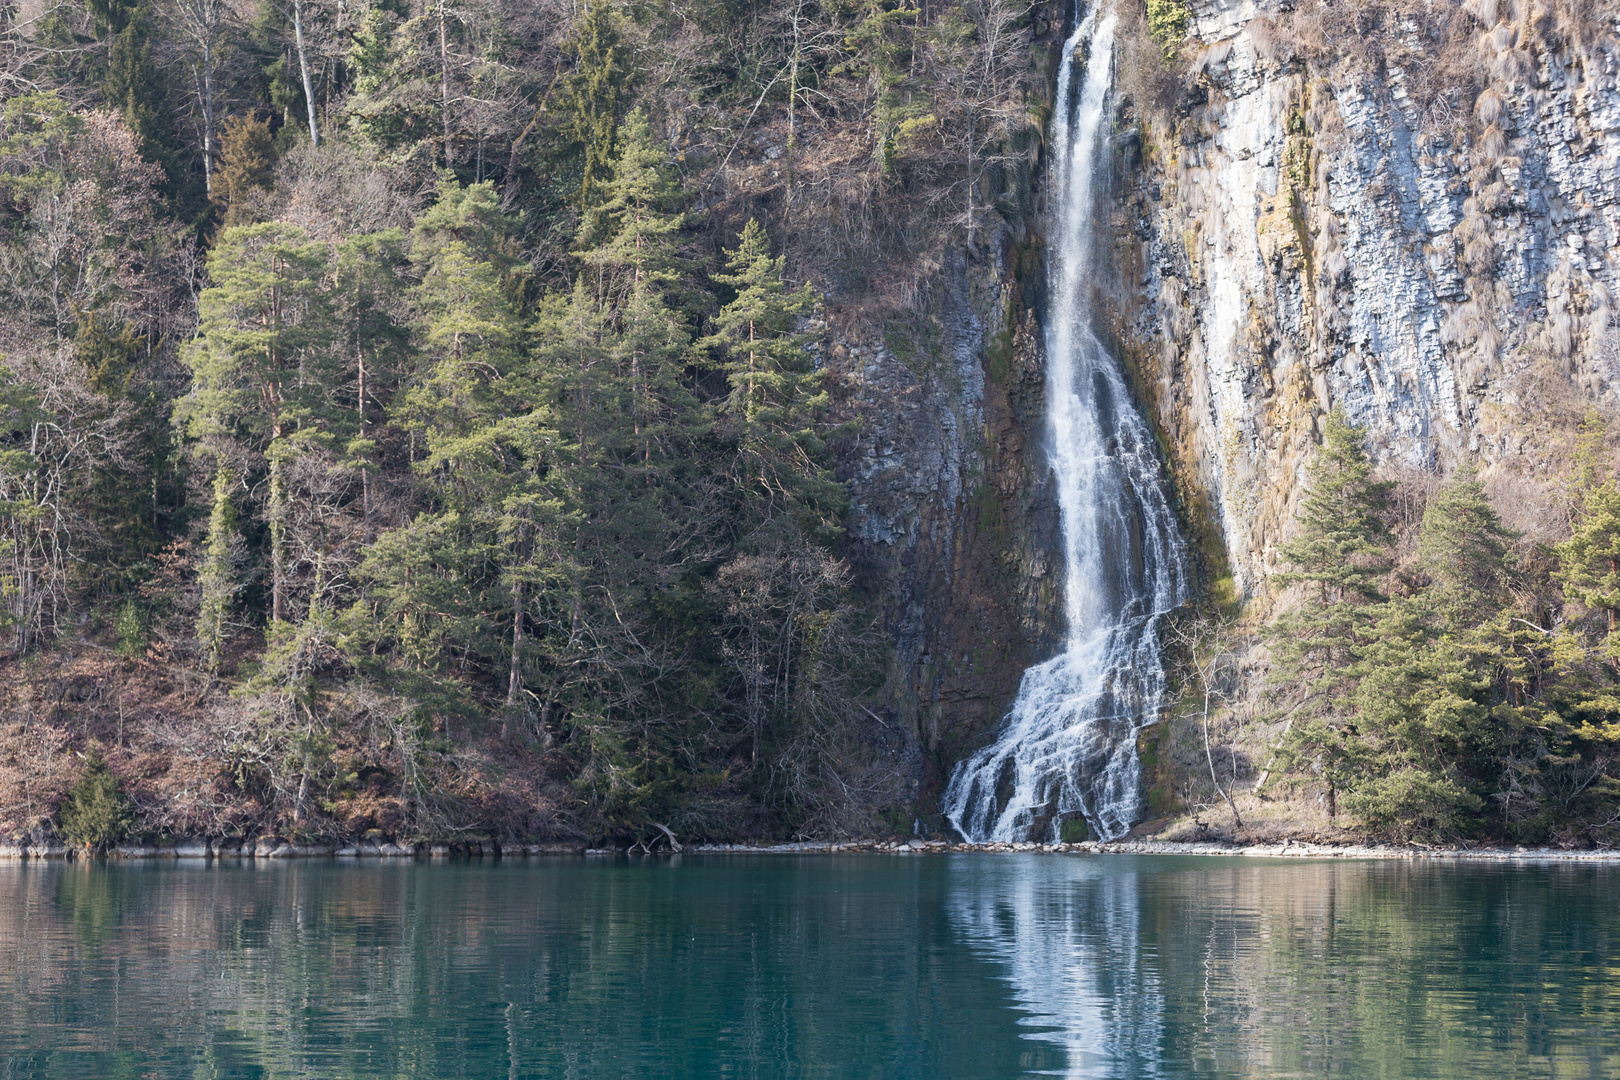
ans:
(777, 399)
(262, 366)
(96, 813)
(1341, 524)
(630, 235)
(1589, 561)
(135, 87)
(460, 579)
(592, 96)
(1337, 554)
(1465, 550)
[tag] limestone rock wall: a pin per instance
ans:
(1439, 260)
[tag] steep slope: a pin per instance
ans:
(1412, 215)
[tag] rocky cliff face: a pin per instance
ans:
(1412, 216)
(953, 522)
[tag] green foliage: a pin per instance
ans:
(1337, 556)
(96, 813)
(130, 631)
(1168, 22)
(33, 131)
(777, 397)
(1589, 561)
(217, 576)
(1342, 531)
(393, 105)
(882, 46)
(1446, 713)
(1465, 551)
(592, 96)
(135, 87)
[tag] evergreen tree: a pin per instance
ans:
(262, 367)
(777, 399)
(217, 581)
(487, 454)
(130, 499)
(593, 94)
(96, 814)
(135, 87)
(1341, 524)
(1337, 554)
(372, 333)
(1419, 720)
(393, 102)
(630, 235)
(1589, 561)
(1464, 549)
(246, 167)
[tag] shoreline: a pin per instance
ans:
(197, 848)
(1290, 849)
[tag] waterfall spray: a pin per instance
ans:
(1068, 746)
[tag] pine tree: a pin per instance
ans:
(392, 105)
(777, 400)
(1465, 550)
(592, 96)
(370, 330)
(262, 366)
(1589, 561)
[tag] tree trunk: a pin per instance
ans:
(278, 536)
(444, 83)
(365, 474)
(303, 69)
(1210, 756)
(208, 118)
(514, 677)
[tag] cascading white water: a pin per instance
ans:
(1069, 744)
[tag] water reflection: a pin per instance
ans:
(1067, 935)
(1175, 967)
(926, 967)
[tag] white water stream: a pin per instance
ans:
(1069, 744)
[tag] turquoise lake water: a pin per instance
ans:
(936, 966)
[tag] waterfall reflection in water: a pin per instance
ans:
(1068, 746)
(1067, 938)
(930, 967)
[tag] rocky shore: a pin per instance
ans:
(1284, 849)
(278, 848)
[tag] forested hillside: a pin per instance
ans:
(412, 413)
(583, 421)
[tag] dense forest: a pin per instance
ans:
(391, 396)
(416, 422)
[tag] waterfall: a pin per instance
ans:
(1068, 745)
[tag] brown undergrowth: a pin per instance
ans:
(190, 758)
